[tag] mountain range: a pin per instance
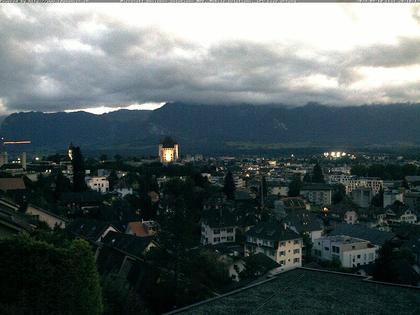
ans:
(221, 128)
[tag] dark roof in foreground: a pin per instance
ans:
(309, 291)
(374, 236)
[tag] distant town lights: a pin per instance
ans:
(335, 154)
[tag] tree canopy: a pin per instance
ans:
(229, 186)
(40, 278)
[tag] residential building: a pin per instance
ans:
(412, 199)
(91, 230)
(351, 217)
(413, 182)
(98, 183)
(318, 194)
(362, 196)
(390, 196)
(51, 219)
(400, 213)
(349, 251)
(218, 225)
(353, 182)
(304, 222)
(277, 241)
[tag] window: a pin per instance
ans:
(230, 238)
(216, 231)
(296, 251)
(282, 253)
(282, 243)
(296, 242)
(326, 248)
(216, 239)
(335, 249)
(229, 230)
(358, 256)
(282, 262)
(296, 260)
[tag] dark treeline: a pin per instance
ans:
(385, 171)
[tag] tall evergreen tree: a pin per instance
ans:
(317, 176)
(77, 162)
(229, 187)
(112, 179)
(294, 187)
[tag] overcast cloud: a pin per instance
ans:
(59, 57)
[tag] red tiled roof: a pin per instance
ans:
(138, 228)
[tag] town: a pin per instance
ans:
(162, 233)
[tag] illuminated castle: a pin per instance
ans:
(168, 150)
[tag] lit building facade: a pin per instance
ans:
(351, 252)
(168, 150)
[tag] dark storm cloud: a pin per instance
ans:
(52, 63)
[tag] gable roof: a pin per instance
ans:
(374, 236)
(217, 218)
(303, 220)
(168, 142)
(272, 230)
(88, 229)
(130, 244)
(138, 228)
(294, 203)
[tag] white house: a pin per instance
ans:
(218, 226)
(98, 183)
(351, 252)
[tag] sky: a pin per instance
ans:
(100, 57)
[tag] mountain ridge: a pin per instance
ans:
(212, 128)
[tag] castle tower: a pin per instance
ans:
(168, 150)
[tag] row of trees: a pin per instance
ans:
(385, 171)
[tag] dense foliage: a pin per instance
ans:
(385, 171)
(40, 278)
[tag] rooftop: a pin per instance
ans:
(168, 142)
(344, 239)
(374, 236)
(272, 230)
(309, 291)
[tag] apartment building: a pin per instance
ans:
(351, 252)
(277, 241)
(353, 182)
